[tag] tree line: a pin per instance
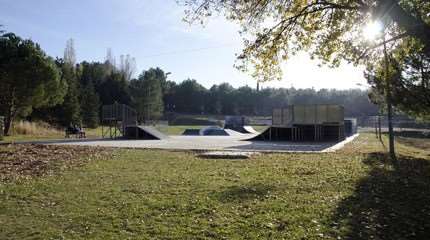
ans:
(63, 92)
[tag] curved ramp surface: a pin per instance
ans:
(242, 129)
(273, 134)
(249, 129)
(144, 132)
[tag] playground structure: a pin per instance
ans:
(117, 117)
(323, 122)
(120, 121)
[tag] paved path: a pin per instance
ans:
(225, 143)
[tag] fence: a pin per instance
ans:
(399, 123)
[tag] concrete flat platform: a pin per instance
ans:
(213, 143)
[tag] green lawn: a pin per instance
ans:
(142, 194)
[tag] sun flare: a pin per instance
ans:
(372, 30)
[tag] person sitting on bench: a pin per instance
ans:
(75, 130)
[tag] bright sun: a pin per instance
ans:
(372, 30)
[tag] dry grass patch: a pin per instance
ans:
(29, 160)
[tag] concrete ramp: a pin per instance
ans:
(303, 133)
(233, 132)
(144, 132)
(249, 129)
(242, 129)
(274, 134)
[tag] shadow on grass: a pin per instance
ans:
(393, 202)
(412, 134)
(412, 138)
(244, 193)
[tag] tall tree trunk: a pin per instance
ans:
(379, 126)
(7, 123)
(390, 128)
(389, 105)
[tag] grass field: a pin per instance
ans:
(356, 193)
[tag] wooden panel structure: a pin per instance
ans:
(316, 122)
(277, 116)
(307, 114)
(335, 114)
(299, 115)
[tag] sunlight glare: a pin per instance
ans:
(372, 30)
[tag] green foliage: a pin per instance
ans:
(332, 31)
(70, 110)
(114, 89)
(147, 94)
(273, 30)
(29, 79)
(409, 86)
(189, 97)
(90, 105)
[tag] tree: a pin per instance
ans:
(114, 89)
(90, 105)
(70, 53)
(190, 97)
(70, 109)
(332, 31)
(93, 72)
(110, 61)
(127, 66)
(225, 96)
(169, 93)
(28, 78)
(410, 86)
(147, 94)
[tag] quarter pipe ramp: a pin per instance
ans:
(143, 132)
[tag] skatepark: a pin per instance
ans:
(284, 135)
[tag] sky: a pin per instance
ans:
(153, 32)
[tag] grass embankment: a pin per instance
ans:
(24, 131)
(35, 131)
(356, 193)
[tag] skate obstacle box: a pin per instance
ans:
(120, 121)
(306, 123)
(238, 124)
(213, 131)
(350, 126)
(191, 132)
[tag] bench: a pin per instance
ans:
(77, 132)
